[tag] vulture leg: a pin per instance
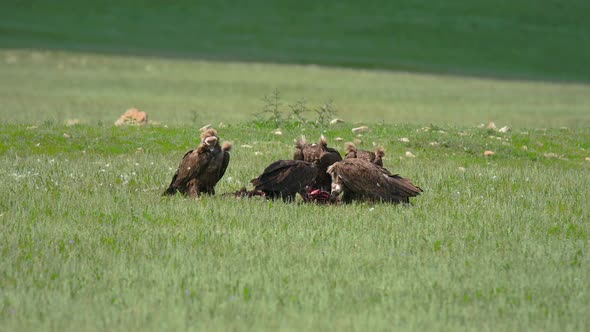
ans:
(288, 198)
(193, 189)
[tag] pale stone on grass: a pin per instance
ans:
(73, 122)
(361, 129)
(488, 153)
(410, 154)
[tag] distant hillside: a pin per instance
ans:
(516, 39)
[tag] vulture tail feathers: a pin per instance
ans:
(406, 186)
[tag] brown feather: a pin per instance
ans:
(201, 169)
(285, 178)
(374, 157)
(321, 155)
(363, 180)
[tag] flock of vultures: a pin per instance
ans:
(317, 172)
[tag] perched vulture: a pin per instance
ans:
(201, 169)
(374, 157)
(285, 178)
(320, 155)
(359, 179)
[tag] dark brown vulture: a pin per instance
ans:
(359, 179)
(285, 178)
(320, 155)
(201, 169)
(374, 157)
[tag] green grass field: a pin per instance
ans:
(494, 243)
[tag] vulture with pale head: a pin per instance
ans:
(201, 169)
(359, 179)
(285, 178)
(374, 157)
(320, 155)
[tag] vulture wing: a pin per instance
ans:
(286, 176)
(365, 179)
(224, 163)
(191, 166)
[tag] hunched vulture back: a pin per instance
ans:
(319, 154)
(285, 178)
(359, 179)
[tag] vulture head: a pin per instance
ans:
(209, 138)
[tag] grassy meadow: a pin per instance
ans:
(88, 243)
(493, 243)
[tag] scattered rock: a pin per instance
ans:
(551, 155)
(73, 122)
(492, 126)
(278, 132)
(132, 116)
(404, 140)
(361, 129)
(587, 159)
(410, 154)
(524, 148)
(336, 121)
(222, 125)
(339, 139)
(488, 153)
(139, 151)
(434, 144)
(461, 169)
(258, 153)
(358, 141)
(67, 135)
(246, 146)
(505, 129)
(31, 127)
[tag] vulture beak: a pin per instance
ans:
(336, 189)
(211, 141)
